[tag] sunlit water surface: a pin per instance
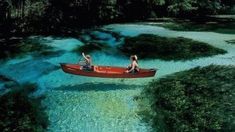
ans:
(84, 104)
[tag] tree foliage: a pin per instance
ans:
(47, 15)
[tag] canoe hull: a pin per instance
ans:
(106, 71)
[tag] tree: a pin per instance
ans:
(208, 7)
(180, 7)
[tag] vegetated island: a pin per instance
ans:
(21, 112)
(153, 46)
(200, 99)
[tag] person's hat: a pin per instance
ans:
(88, 56)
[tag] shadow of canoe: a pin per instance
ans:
(98, 87)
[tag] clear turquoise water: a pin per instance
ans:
(76, 103)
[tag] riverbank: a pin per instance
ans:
(214, 23)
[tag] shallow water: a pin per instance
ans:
(76, 103)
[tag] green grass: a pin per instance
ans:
(152, 46)
(19, 112)
(200, 99)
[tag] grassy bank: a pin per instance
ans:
(152, 46)
(19, 112)
(200, 99)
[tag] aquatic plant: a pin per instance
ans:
(21, 112)
(231, 41)
(8, 84)
(116, 35)
(200, 99)
(91, 46)
(215, 25)
(4, 78)
(153, 46)
(18, 47)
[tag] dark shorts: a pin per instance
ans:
(87, 68)
(134, 71)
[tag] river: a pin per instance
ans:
(77, 103)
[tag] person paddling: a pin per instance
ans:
(87, 61)
(133, 67)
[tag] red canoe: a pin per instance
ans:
(106, 71)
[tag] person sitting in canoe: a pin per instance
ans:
(87, 60)
(133, 67)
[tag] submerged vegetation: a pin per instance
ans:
(200, 99)
(152, 46)
(91, 46)
(15, 47)
(231, 41)
(226, 26)
(6, 84)
(19, 112)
